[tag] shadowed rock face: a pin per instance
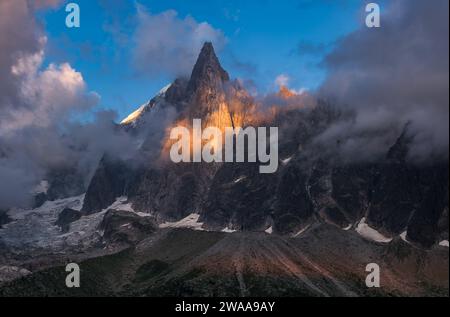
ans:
(423, 227)
(408, 197)
(66, 217)
(240, 198)
(65, 182)
(176, 94)
(108, 183)
(393, 195)
(207, 74)
(122, 227)
(170, 193)
(294, 207)
(443, 223)
(4, 219)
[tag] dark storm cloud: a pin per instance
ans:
(391, 76)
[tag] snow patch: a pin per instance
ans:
(240, 179)
(120, 204)
(190, 222)
(369, 233)
(162, 92)
(301, 231)
(49, 208)
(348, 227)
(286, 161)
(41, 188)
(403, 236)
(228, 230)
(36, 229)
(444, 243)
(132, 118)
(134, 115)
(10, 273)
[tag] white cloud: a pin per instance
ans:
(282, 80)
(36, 103)
(168, 44)
(50, 94)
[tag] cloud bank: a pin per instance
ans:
(392, 76)
(165, 43)
(37, 104)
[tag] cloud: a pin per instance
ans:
(18, 35)
(282, 80)
(392, 76)
(14, 180)
(166, 44)
(38, 104)
(33, 153)
(45, 3)
(36, 108)
(47, 96)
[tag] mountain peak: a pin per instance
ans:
(208, 50)
(207, 71)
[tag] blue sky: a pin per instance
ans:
(264, 38)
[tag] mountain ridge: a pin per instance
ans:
(305, 190)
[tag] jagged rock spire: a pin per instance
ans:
(207, 73)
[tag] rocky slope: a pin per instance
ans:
(180, 262)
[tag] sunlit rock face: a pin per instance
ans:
(207, 75)
(212, 96)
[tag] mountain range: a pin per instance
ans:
(147, 226)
